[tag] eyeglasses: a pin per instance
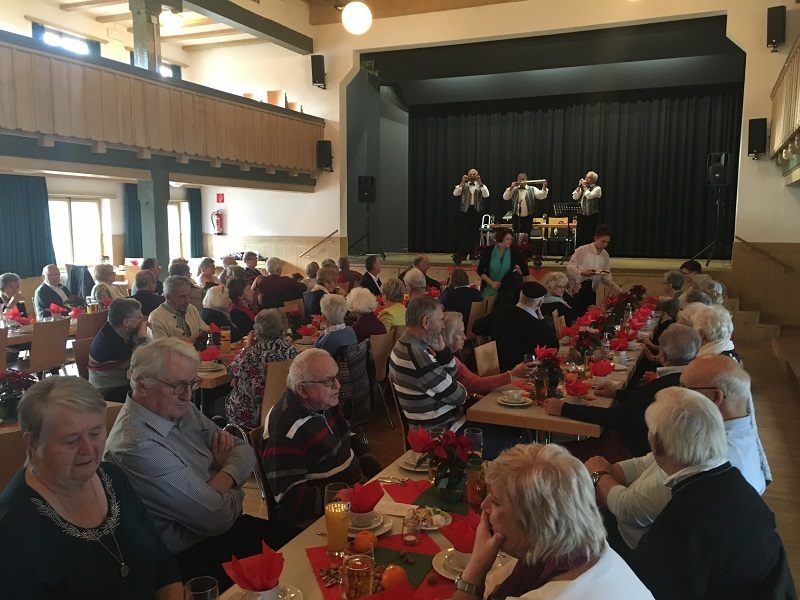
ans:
(328, 382)
(180, 388)
(698, 389)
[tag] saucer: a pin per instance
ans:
(522, 404)
(386, 527)
(407, 463)
(376, 523)
(441, 566)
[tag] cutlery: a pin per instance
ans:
(400, 480)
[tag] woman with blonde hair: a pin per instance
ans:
(104, 290)
(216, 310)
(541, 510)
(556, 284)
(362, 304)
(394, 312)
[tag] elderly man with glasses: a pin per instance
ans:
(187, 471)
(308, 442)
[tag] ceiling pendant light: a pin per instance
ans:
(357, 18)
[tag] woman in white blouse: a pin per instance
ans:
(104, 290)
(592, 265)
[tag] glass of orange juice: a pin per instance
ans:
(337, 516)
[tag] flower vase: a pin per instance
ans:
(450, 489)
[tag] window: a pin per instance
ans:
(65, 41)
(76, 225)
(178, 226)
(166, 70)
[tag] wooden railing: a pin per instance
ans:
(785, 122)
(786, 268)
(94, 100)
(322, 241)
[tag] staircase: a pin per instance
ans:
(748, 324)
(787, 349)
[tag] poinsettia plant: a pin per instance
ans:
(12, 385)
(637, 293)
(446, 454)
(586, 342)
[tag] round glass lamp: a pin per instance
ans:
(357, 18)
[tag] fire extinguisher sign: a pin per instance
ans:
(220, 198)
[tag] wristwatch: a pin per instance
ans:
(596, 477)
(469, 588)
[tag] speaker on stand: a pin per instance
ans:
(718, 176)
(366, 195)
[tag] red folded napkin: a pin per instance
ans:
(601, 368)
(256, 573)
(584, 321)
(306, 330)
(24, 320)
(418, 438)
(406, 492)
(75, 312)
(210, 353)
(214, 328)
(56, 309)
(542, 352)
(577, 388)
(619, 344)
(13, 313)
(570, 331)
(635, 325)
(135, 262)
(649, 376)
(462, 533)
(107, 301)
(523, 384)
(365, 497)
(595, 312)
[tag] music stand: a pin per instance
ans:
(568, 209)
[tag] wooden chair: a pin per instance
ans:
(89, 325)
(381, 349)
(80, 349)
(399, 331)
(3, 346)
(130, 272)
(274, 385)
(476, 311)
(48, 347)
(401, 416)
(257, 441)
(486, 359)
(292, 305)
(559, 323)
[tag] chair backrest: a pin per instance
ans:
(3, 346)
(89, 325)
(490, 302)
(80, 348)
(486, 359)
(130, 274)
(257, 442)
(274, 385)
(476, 311)
(401, 416)
(49, 345)
(381, 349)
(292, 305)
(356, 376)
(559, 323)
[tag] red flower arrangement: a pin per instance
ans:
(446, 454)
(619, 344)
(548, 358)
(586, 342)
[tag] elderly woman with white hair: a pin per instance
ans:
(415, 282)
(541, 510)
(716, 537)
(337, 335)
(556, 284)
(394, 312)
(216, 310)
(362, 304)
(207, 273)
(104, 290)
(73, 525)
(326, 284)
(672, 286)
(250, 367)
(715, 326)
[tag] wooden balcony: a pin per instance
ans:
(100, 102)
(785, 121)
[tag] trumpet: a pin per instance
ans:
(535, 181)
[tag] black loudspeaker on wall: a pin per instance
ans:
(318, 70)
(324, 156)
(366, 188)
(776, 27)
(757, 137)
(718, 168)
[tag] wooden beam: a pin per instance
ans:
(127, 16)
(239, 17)
(199, 47)
(200, 35)
(89, 4)
(202, 22)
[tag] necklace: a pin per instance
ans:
(91, 535)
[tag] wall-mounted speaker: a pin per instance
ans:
(366, 188)
(318, 70)
(718, 168)
(324, 156)
(776, 26)
(757, 137)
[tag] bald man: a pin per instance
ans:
(472, 192)
(51, 291)
(723, 381)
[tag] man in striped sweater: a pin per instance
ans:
(423, 371)
(308, 442)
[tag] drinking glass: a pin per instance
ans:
(410, 534)
(475, 437)
(540, 386)
(202, 588)
(357, 576)
(435, 430)
(337, 516)
(529, 359)
(476, 485)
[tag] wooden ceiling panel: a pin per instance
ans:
(322, 12)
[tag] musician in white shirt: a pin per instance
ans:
(588, 193)
(472, 192)
(523, 198)
(592, 265)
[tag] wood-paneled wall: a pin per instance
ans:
(53, 95)
(785, 121)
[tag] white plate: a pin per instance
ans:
(409, 464)
(618, 367)
(385, 528)
(525, 402)
(447, 520)
(376, 523)
(285, 592)
(441, 567)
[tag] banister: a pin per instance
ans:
(786, 268)
(322, 241)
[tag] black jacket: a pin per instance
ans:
(460, 300)
(44, 296)
(369, 283)
(516, 332)
(217, 317)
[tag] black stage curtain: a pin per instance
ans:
(648, 147)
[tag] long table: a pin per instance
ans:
(16, 338)
(297, 570)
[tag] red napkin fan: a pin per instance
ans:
(635, 325)
(365, 497)
(601, 368)
(577, 388)
(542, 352)
(306, 330)
(55, 309)
(13, 313)
(24, 320)
(418, 439)
(461, 533)
(584, 321)
(75, 312)
(594, 313)
(257, 573)
(214, 328)
(619, 344)
(135, 262)
(210, 353)
(570, 331)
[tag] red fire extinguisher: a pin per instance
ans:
(217, 222)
